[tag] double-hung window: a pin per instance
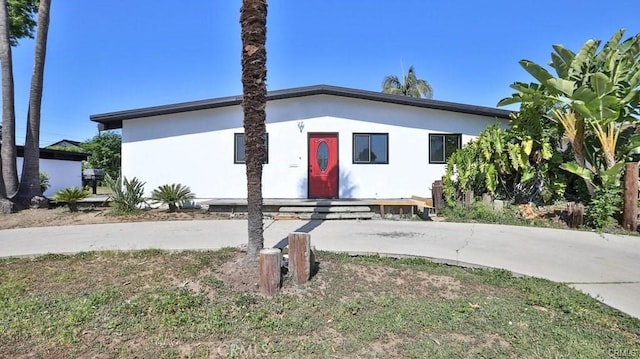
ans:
(238, 148)
(443, 145)
(371, 148)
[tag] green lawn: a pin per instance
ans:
(154, 304)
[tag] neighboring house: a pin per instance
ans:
(322, 142)
(63, 168)
(72, 145)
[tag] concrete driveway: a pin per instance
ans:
(606, 267)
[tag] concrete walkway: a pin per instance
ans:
(606, 267)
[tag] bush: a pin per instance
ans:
(71, 196)
(173, 195)
(603, 206)
(127, 195)
(44, 182)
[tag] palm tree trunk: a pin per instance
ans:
(9, 174)
(253, 21)
(30, 179)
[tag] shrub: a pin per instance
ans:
(173, 195)
(44, 182)
(71, 196)
(603, 206)
(127, 195)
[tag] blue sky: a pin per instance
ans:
(107, 55)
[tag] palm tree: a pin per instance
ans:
(411, 86)
(9, 174)
(253, 21)
(30, 179)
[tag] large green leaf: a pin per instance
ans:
(578, 170)
(601, 84)
(515, 98)
(586, 53)
(558, 63)
(566, 54)
(611, 177)
(584, 94)
(527, 175)
(538, 72)
(561, 85)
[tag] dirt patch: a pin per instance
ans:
(61, 216)
(240, 274)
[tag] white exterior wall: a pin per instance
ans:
(62, 174)
(196, 148)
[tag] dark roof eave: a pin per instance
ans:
(113, 120)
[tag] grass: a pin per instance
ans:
(155, 304)
(481, 213)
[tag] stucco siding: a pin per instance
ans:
(62, 174)
(196, 148)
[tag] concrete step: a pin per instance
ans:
(324, 209)
(352, 215)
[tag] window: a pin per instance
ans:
(370, 148)
(441, 146)
(238, 148)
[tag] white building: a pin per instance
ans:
(63, 168)
(322, 142)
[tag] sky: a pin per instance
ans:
(106, 55)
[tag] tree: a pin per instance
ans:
(253, 21)
(411, 86)
(29, 188)
(16, 22)
(596, 99)
(104, 152)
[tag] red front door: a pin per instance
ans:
(323, 165)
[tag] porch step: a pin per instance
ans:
(325, 209)
(326, 212)
(334, 215)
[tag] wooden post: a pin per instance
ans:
(486, 198)
(270, 269)
(300, 257)
(630, 209)
(437, 195)
(468, 198)
(575, 214)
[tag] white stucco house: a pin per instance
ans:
(63, 168)
(322, 142)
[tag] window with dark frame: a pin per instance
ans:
(238, 148)
(371, 148)
(443, 145)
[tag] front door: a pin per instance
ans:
(323, 165)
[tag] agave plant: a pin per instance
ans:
(127, 195)
(71, 196)
(173, 195)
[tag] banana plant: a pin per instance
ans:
(596, 96)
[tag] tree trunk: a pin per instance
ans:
(30, 178)
(253, 20)
(578, 151)
(9, 173)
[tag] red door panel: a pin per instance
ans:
(323, 165)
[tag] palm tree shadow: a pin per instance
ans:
(305, 228)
